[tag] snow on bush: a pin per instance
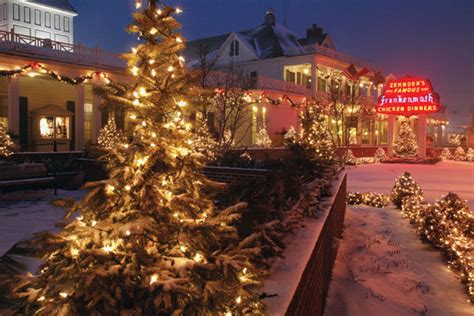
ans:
(459, 154)
(446, 154)
(380, 155)
(405, 186)
(349, 158)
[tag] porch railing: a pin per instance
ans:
(25, 45)
(332, 53)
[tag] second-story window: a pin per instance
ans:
(47, 19)
(66, 24)
(37, 17)
(57, 22)
(5, 11)
(16, 12)
(234, 48)
(26, 15)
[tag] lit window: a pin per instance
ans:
(54, 127)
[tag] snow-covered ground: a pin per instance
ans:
(24, 213)
(382, 268)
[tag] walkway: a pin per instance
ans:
(382, 267)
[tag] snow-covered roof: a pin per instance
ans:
(267, 41)
(63, 5)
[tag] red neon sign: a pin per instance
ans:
(408, 96)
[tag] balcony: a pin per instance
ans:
(265, 83)
(331, 53)
(34, 47)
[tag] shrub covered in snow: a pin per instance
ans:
(349, 158)
(446, 154)
(404, 187)
(380, 155)
(470, 155)
(460, 154)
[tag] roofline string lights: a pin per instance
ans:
(33, 69)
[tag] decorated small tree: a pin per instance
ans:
(459, 154)
(111, 137)
(446, 154)
(405, 186)
(405, 146)
(263, 139)
(148, 240)
(6, 144)
(413, 207)
(380, 155)
(290, 136)
(315, 134)
(470, 154)
(349, 158)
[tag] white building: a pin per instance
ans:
(45, 19)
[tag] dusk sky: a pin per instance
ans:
(427, 38)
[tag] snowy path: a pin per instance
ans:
(382, 268)
(33, 214)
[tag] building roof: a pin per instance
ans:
(267, 41)
(63, 5)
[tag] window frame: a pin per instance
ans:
(16, 9)
(47, 19)
(27, 14)
(37, 14)
(57, 18)
(67, 26)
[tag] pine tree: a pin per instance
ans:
(349, 158)
(6, 144)
(263, 139)
(148, 241)
(315, 134)
(459, 154)
(404, 187)
(405, 146)
(470, 154)
(446, 154)
(290, 136)
(111, 137)
(380, 155)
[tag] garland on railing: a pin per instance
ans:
(35, 67)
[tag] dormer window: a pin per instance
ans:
(234, 48)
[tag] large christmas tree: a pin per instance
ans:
(405, 145)
(148, 241)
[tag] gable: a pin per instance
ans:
(242, 46)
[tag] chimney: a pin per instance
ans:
(270, 17)
(314, 32)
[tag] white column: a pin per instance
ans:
(14, 105)
(314, 78)
(79, 116)
(96, 117)
(422, 136)
(390, 134)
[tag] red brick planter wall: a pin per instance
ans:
(310, 296)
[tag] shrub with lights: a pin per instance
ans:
(413, 208)
(378, 200)
(349, 158)
(263, 139)
(148, 240)
(459, 154)
(446, 154)
(470, 154)
(6, 144)
(449, 226)
(380, 155)
(405, 186)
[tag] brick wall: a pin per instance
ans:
(235, 176)
(310, 296)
